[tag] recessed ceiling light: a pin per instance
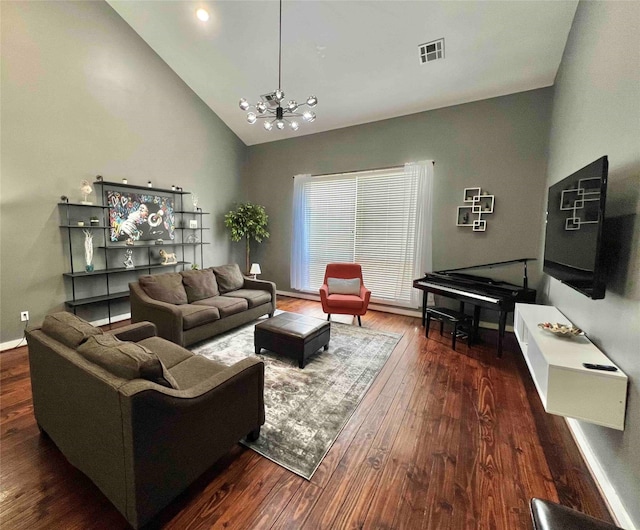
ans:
(202, 14)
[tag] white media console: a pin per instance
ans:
(565, 386)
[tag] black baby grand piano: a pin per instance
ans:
(479, 291)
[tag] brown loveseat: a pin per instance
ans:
(142, 419)
(191, 306)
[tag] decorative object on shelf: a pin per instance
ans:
(99, 178)
(178, 188)
(64, 198)
(195, 267)
(128, 259)
(158, 242)
(479, 204)
(140, 216)
(149, 185)
(248, 221)
(88, 250)
(193, 223)
(270, 108)
(192, 238)
(194, 201)
(80, 223)
(168, 258)
(129, 242)
(255, 270)
(94, 220)
(561, 330)
(85, 189)
(125, 181)
(173, 188)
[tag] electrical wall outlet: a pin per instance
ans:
(24, 316)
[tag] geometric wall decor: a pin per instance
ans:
(478, 204)
(586, 198)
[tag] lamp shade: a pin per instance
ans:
(255, 269)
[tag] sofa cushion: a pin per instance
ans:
(126, 359)
(199, 284)
(225, 304)
(229, 277)
(196, 315)
(68, 329)
(194, 370)
(169, 353)
(165, 287)
(343, 285)
(255, 297)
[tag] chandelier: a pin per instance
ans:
(271, 108)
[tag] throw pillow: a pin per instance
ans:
(165, 287)
(199, 284)
(126, 359)
(68, 328)
(229, 277)
(343, 285)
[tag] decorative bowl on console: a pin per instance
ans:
(561, 330)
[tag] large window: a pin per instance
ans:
(380, 219)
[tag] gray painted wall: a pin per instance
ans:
(498, 144)
(596, 111)
(83, 95)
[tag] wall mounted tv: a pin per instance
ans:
(573, 250)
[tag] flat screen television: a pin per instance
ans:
(573, 250)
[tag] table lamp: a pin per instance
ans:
(255, 270)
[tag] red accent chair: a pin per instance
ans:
(344, 304)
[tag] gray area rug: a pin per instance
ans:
(307, 409)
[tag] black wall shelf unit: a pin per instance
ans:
(97, 286)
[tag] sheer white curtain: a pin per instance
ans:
(424, 222)
(299, 269)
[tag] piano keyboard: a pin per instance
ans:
(467, 294)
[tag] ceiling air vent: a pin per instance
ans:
(431, 51)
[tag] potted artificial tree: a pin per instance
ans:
(248, 221)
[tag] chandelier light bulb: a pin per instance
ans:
(261, 107)
(202, 14)
(280, 124)
(294, 125)
(279, 95)
(292, 105)
(268, 125)
(312, 101)
(309, 116)
(244, 104)
(251, 117)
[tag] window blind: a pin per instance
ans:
(366, 217)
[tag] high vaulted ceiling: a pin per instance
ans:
(360, 58)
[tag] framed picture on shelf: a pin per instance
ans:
(140, 216)
(193, 223)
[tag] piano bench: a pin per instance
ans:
(444, 314)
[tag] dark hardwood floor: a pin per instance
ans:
(442, 440)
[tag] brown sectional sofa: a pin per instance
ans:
(140, 416)
(191, 306)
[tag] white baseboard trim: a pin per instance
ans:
(609, 494)
(10, 345)
(384, 308)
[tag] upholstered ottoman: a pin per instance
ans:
(290, 333)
